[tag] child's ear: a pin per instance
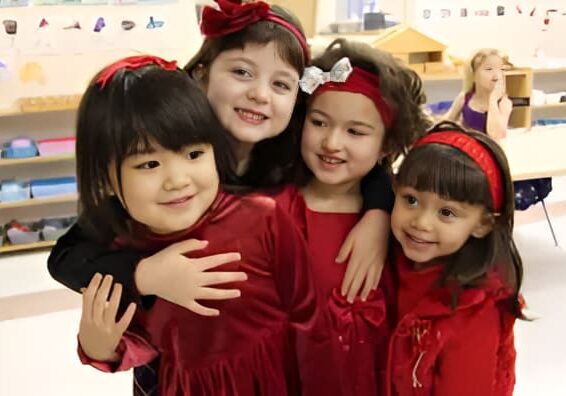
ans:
(484, 227)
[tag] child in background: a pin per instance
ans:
(150, 186)
(364, 110)
(483, 105)
(459, 270)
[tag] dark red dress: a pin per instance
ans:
(345, 353)
(248, 349)
(436, 350)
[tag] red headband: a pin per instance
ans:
(234, 16)
(132, 63)
(478, 153)
(365, 83)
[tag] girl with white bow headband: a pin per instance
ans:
(364, 110)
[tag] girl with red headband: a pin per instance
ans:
(364, 110)
(249, 66)
(458, 268)
(145, 186)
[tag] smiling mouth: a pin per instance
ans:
(251, 115)
(331, 160)
(178, 201)
(418, 240)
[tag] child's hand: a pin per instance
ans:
(499, 90)
(99, 333)
(181, 280)
(367, 247)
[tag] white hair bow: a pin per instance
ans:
(313, 76)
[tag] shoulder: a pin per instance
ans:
(462, 97)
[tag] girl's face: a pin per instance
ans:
(168, 191)
(489, 72)
(342, 137)
(428, 226)
(253, 91)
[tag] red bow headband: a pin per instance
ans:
(343, 77)
(478, 153)
(132, 63)
(234, 16)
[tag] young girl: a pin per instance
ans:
(249, 67)
(364, 109)
(483, 104)
(152, 186)
(458, 268)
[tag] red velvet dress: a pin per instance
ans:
(248, 350)
(439, 351)
(345, 353)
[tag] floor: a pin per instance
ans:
(39, 320)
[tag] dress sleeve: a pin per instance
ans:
(468, 364)
(76, 258)
(292, 272)
(377, 190)
(134, 351)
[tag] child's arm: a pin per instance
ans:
(167, 274)
(455, 111)
(102, 342)
(468, 365)
(366, 244)
(499, 111)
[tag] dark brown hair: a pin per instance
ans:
(271, 160)
(136, 109)
(400, 87)
(453, 175)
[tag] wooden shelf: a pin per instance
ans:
(26, 246)
(39, 201)
(551, 106)
(36, 160)
(42, 104)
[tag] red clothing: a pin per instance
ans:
(440, 351)
(345, 353)
(248, 349)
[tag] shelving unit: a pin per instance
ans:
(29, 167)
(36, 160)
(26, 246)
(39, 201)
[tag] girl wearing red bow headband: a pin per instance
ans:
(459, 270)
(248, 66)
(365, 109)
(154, 167)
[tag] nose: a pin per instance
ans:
(176, 178)
(259, 92)
(332, 142)
(422, 220)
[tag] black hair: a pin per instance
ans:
(134, 110)
(454, 176)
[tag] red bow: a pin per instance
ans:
(132, 63)
(234, 16)
(347, 317)
(231, 17)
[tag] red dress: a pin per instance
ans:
(440, 351)
(345, 353)
(248, 349)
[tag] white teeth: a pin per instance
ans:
(332, 161)
(253, 116)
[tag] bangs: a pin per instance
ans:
(448, 173)
(287, 45)
(161, 110)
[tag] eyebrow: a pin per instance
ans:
(353, 122)
(252, 63)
